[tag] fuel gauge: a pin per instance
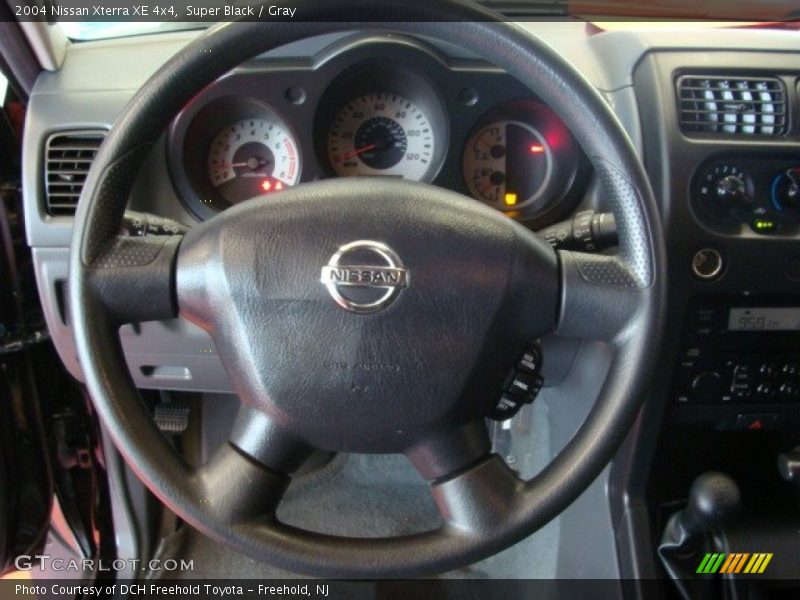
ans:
(507, 164)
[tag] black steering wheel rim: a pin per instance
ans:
(476, 526)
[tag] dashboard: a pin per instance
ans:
(380, 107)
(373, 104)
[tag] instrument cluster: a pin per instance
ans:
(375, 108)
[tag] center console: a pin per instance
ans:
(721, 141)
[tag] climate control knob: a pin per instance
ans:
(786, 190)
(725, 190)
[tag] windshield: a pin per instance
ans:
(693, 12)
(88, 30)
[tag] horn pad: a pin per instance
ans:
(360, 314)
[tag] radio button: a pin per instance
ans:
(787, 391)
(741, 391)
(766, 370)
(742, 374)
(704, 316)
(766, 390)
(789, 370)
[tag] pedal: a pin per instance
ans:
(172, 416)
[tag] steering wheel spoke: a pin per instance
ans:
(236, 488)
(479, 498)
(471, 487)
(601, 298)
(134, 278)
(450, 449)
(257, 435)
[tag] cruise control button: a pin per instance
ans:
(536, 387)
(506, 407)
(522, 384)
(531, 362)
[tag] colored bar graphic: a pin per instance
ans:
(765, 563)
(711, 563)
(703, 564)
(734, 562)
(726, 566)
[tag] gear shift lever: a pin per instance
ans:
(714, 502)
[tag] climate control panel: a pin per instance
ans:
(739, 195)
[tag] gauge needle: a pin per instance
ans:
(250, 163)
(356, 152)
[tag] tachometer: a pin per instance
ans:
(382, 134)
(507, 164)
(252, 157)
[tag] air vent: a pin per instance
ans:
(736, 106)
(68, 157)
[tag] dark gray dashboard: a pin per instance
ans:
(633, 68)
(98, 78)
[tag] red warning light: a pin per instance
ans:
(536, 149)
(266, 185)
(278, 186)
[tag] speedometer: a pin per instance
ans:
(382, 134)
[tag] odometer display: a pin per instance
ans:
(381, 134)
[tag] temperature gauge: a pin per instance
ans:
(507, 164)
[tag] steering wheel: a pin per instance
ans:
(449, 293)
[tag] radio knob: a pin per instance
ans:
(707, 386)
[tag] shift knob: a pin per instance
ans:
(714, 501)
